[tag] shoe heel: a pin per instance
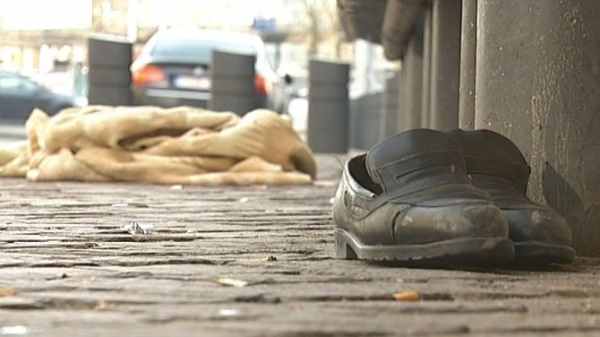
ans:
(343, 250)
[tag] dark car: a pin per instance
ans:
(19, 95)
(173, 69)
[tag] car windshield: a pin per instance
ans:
(12, 83)
(198, 50)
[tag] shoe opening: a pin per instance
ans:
(358, 170)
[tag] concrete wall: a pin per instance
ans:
(538, 82)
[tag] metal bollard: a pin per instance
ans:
(233, 83)
(109, 76)
(329, 107)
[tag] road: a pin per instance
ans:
(11, 132)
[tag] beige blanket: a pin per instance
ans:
(162, 146)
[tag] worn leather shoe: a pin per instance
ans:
(496, 165)
(409, 200)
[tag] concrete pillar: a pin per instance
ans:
(410, 91)
(328, 107)
(538, 82)
(468, 46)
(426, 79)
(445, 63)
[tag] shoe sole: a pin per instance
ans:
(540, 253)
(463, 251)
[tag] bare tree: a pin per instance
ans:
(322, 23)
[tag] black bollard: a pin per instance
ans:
(233, 83)
(329, 107)
(109, 77)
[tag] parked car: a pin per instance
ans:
(174, 69)
(19, 95)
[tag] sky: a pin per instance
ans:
(213, 12)
(57, 14)
(45, 14)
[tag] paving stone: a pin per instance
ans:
(77, 271)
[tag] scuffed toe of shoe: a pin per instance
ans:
(420, 224)
(540, 224)
(487, 220)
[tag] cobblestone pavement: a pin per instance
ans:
(245, 262)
